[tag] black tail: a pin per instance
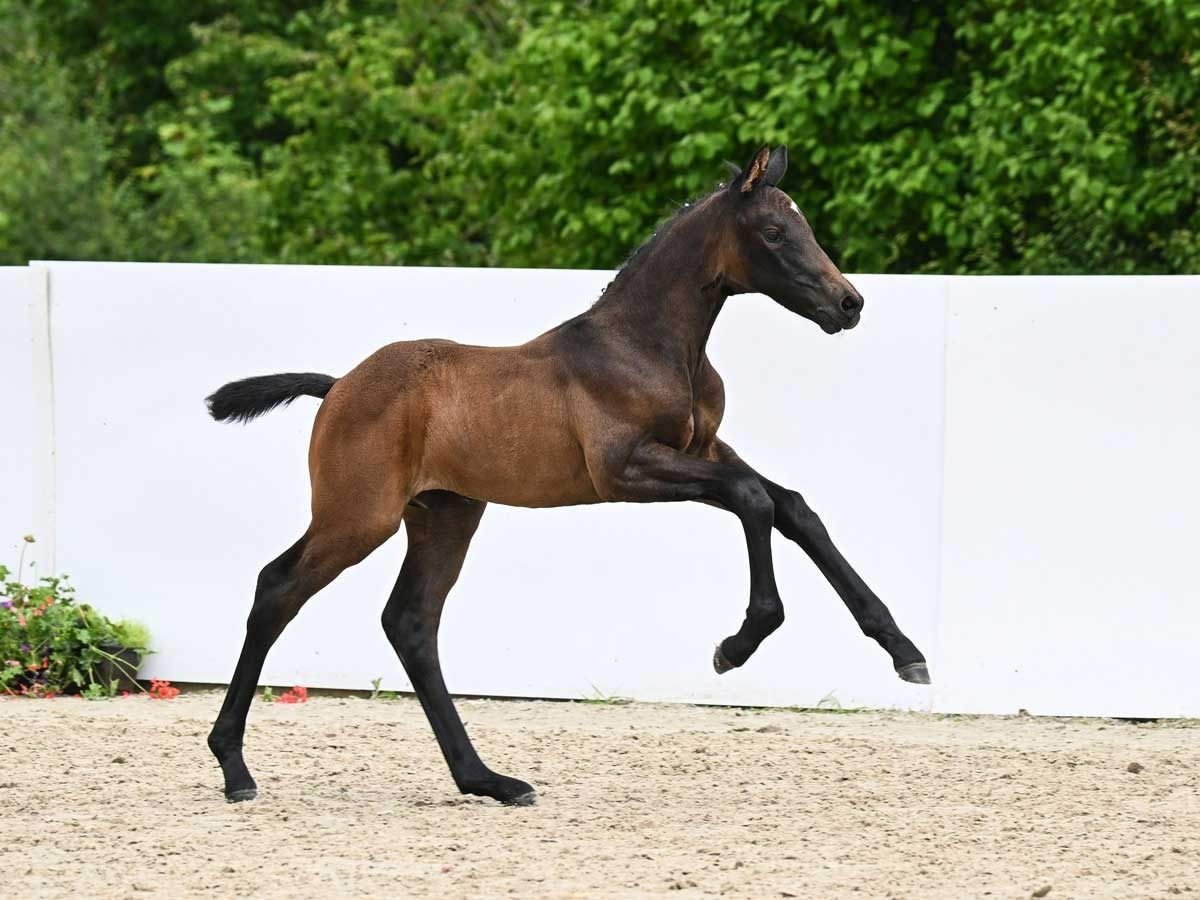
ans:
(241, 401)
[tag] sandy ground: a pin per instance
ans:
(120, 799)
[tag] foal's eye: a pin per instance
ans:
(773, 235)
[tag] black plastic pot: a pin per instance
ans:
(108, 671)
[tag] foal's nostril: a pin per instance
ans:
(851, 303)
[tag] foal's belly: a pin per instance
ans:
(499, 430)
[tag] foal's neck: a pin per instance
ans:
(668, 297)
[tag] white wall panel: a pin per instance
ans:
(1072, 496)
(24, 503)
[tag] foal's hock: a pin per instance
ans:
(619, 403)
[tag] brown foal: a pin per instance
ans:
(617, 404)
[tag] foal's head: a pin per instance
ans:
(769, 248)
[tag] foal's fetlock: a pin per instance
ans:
(908, 661)
(218, 746)
(241, 794)
(239, 784)
(733, 652)
(509, 791)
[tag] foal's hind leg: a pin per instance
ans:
(284, 586)
(438, 537)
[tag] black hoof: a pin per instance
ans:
(914, 673)
(720, 663)
(527, 799)
(509, 791)
(241, 795)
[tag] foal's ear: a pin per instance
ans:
(753, 173)
(776, 166)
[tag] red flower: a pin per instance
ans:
(161, 689)
(297, 694)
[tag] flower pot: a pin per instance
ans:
(123, 674)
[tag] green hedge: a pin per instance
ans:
(973, 136)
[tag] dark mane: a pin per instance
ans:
(634, 260)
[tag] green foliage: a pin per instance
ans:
(377, 693)
(57, 198)
(357, 179)
(72, 194)
(599, 698)
(97, 691)
(131, 635)
(981, 136)
(50, 644)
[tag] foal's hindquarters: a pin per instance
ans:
(413, 434)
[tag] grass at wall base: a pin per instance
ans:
(52, 645)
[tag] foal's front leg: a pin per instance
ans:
(797, 522)
(654, 472)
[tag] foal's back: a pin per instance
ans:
(492, 423)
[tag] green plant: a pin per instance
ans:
(97, 691)
(377, 694)
(830, 702)
(50, 644)
(131, 635)
(599, 698)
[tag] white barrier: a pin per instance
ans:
(26, 441)
(163, 515)
(1072, 493)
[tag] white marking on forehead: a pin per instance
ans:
(795, 208)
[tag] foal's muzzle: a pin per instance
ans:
(851, 306)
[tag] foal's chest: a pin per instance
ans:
(691, 429)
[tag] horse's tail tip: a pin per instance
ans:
(249, 398)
